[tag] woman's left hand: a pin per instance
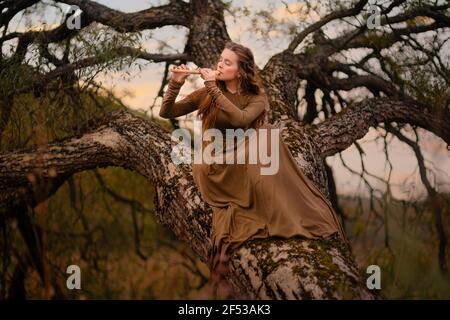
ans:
(208, 74)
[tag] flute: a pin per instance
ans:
(185, 71)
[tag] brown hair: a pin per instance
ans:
(249, 82)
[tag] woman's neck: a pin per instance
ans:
(231, 85)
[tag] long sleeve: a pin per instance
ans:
(171, 109)
(236, 116)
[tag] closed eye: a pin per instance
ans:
(228, 62)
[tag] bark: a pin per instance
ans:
(175, 13)
(339, 132)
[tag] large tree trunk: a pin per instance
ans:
(270, 268)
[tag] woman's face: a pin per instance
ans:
(227, 67)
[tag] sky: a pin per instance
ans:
(139, 90)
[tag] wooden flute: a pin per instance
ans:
(185, 71)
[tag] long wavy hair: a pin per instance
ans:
(249, 83)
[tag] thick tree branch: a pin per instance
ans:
(436, 12)
(339, 132)
(175, 13)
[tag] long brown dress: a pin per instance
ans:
(247, 205)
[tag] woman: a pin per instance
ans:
(247, 205)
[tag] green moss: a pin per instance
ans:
(330, 279)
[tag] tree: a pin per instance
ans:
(271, 268)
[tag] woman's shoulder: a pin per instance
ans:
(261, 100)
(261, 96)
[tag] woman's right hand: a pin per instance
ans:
(180, 77)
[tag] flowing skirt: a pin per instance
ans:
(248, 204)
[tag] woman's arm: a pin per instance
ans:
(237, 117)
(171, 109)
